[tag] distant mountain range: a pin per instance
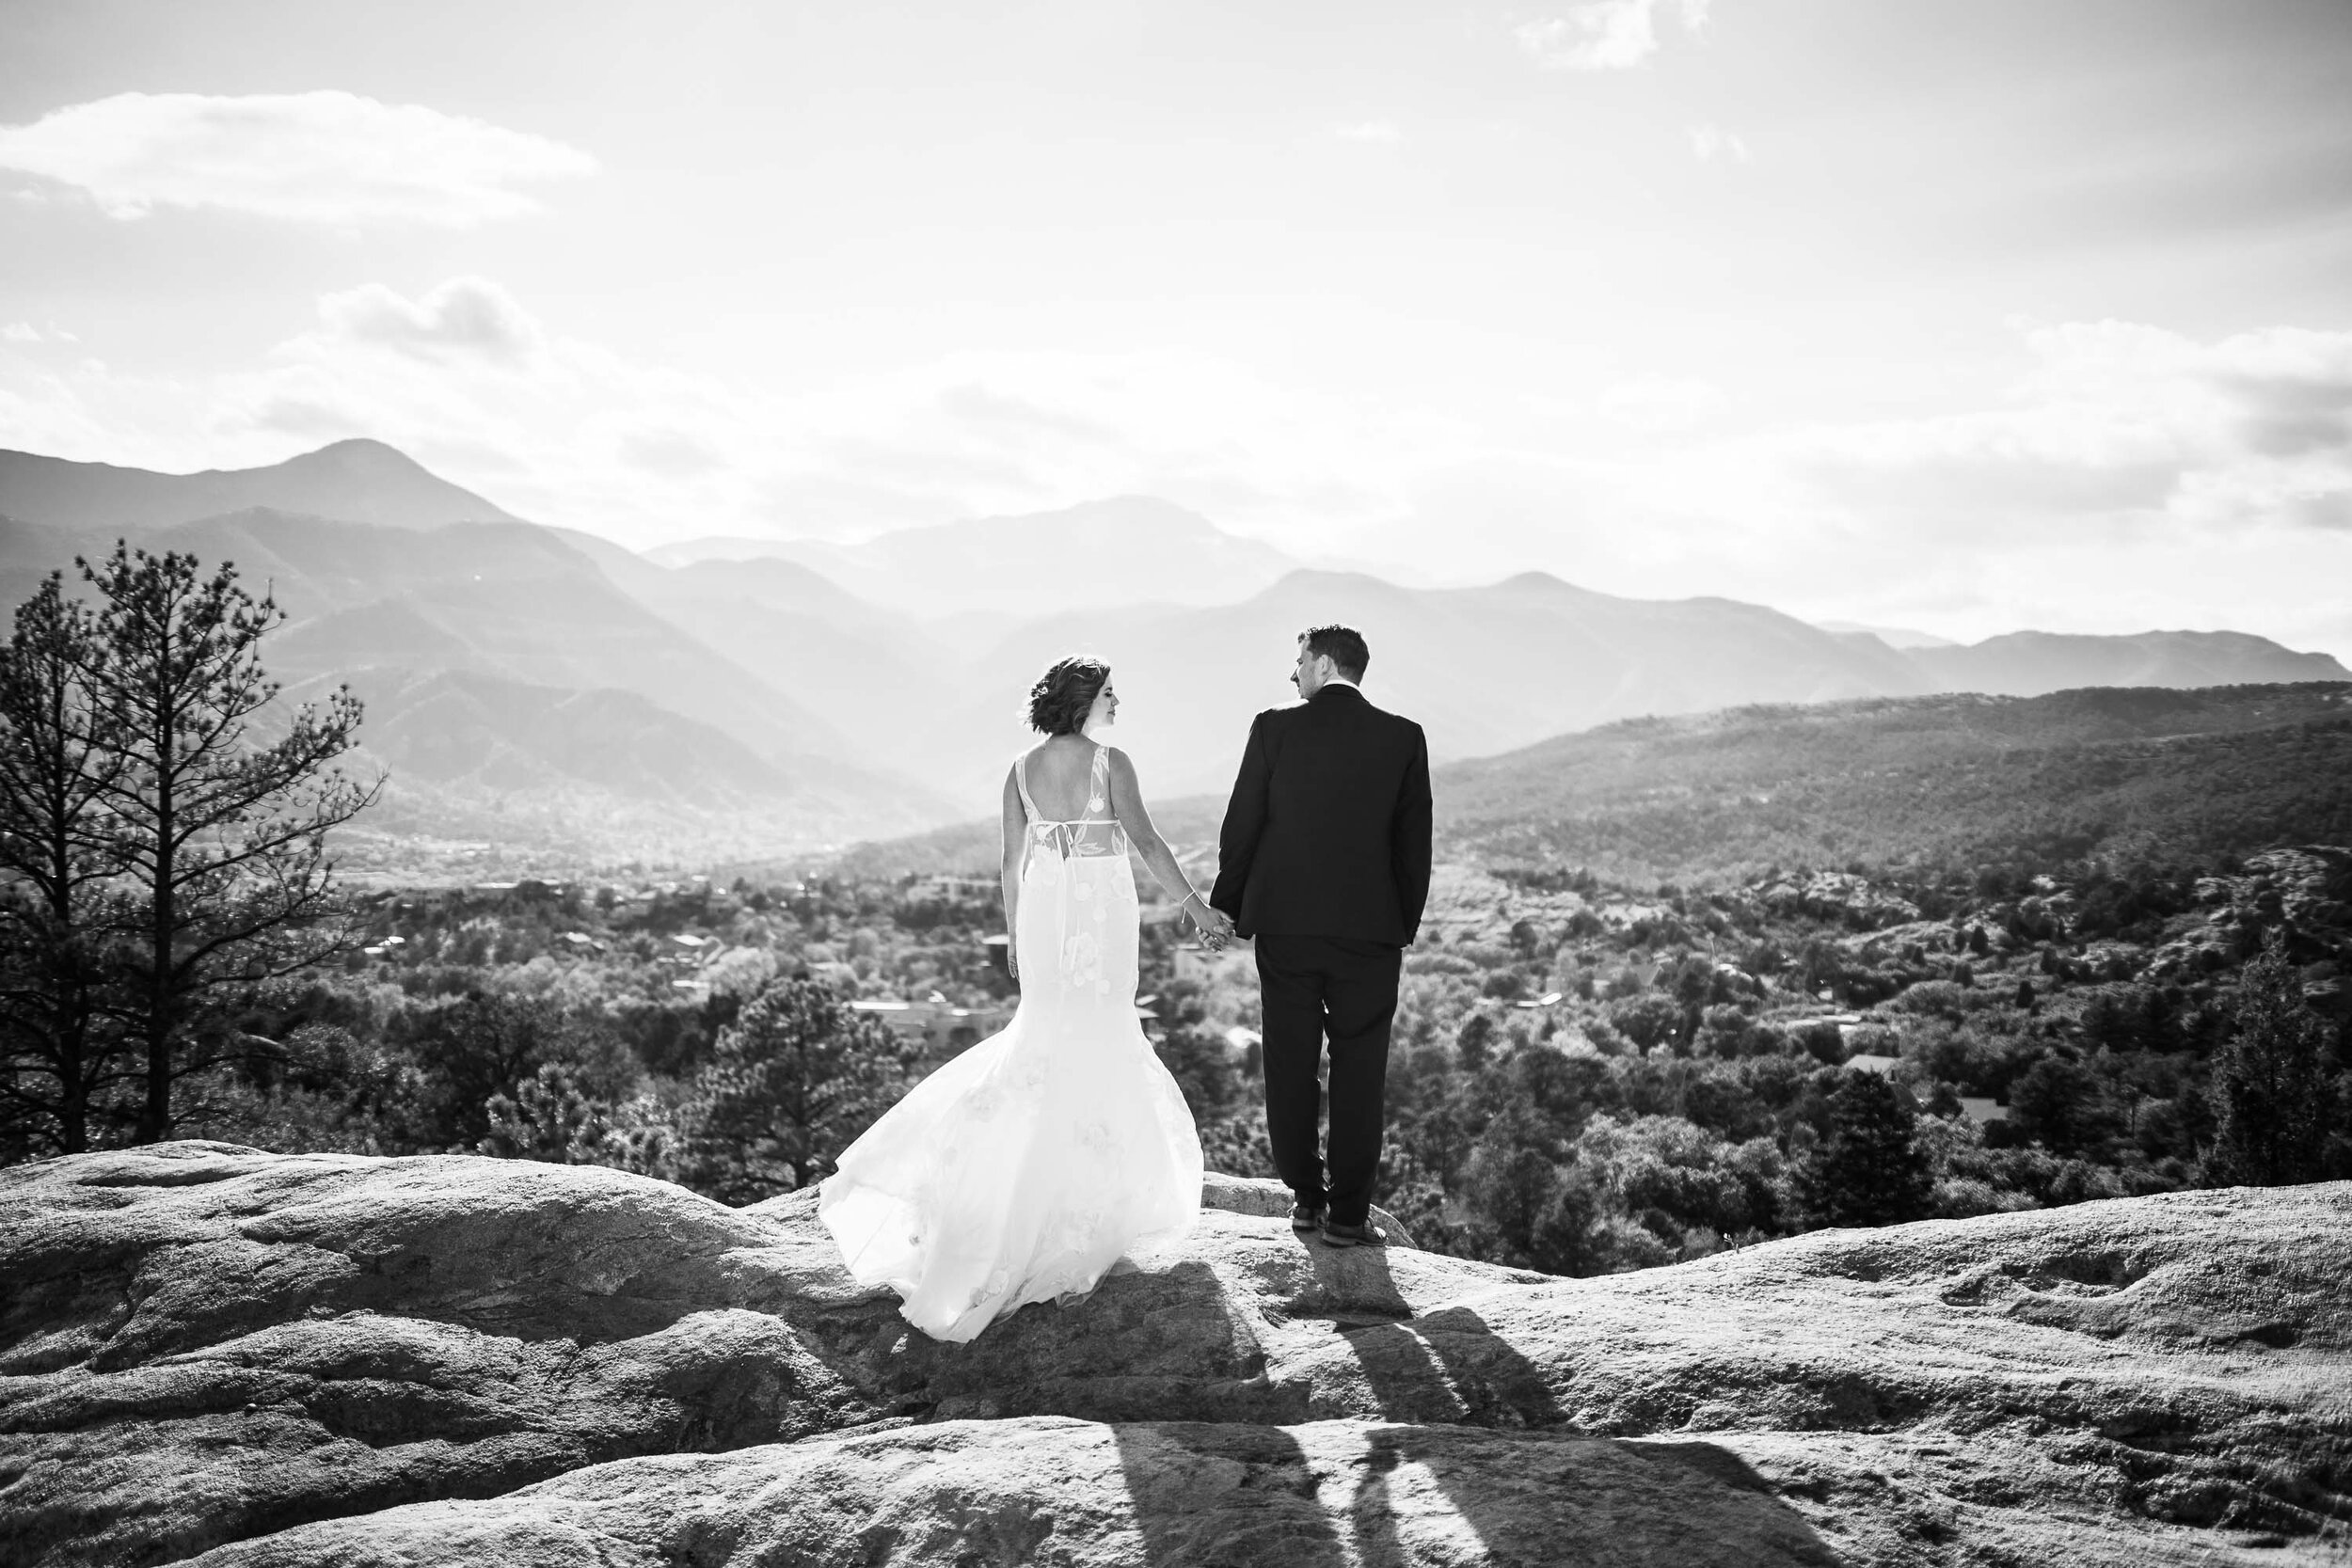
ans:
(791, 694)
(1894, 637)
(2027, 663)
(1105, 553)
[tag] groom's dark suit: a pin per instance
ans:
(1325, 862)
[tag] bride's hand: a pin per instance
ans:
(1215, 928)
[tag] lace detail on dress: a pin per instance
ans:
(1073, 837)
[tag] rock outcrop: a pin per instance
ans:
(213, 1353)
(1838, 896)
(2306, 891)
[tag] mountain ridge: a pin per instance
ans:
(867, 678)
(1027, 563)
(359, 481)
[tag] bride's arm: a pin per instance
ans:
(1016, 841)
(1127, 803)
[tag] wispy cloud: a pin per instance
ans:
(1657, 404)
(1604, 35)
(2127, 424)
(313, 157)
(463, 316)
(2130, 476)
(1380, 130)
(1710, 142)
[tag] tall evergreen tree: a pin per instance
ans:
(792, 1082)
(1869, 1170)
(2273, 1099)
(62, 1066)
(225, 835)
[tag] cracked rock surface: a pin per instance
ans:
(212, 1353)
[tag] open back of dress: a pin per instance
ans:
(1022, 1169)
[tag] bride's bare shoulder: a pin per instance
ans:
(1122, 769)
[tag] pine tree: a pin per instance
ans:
(2272, 1095)
(792, 1082)
(1869, 1170)
(63, 1067)
(224, 838)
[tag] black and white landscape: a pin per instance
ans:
(569, 701)
(528, 532)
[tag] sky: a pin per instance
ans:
(1959, 316)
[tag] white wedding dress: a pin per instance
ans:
(1021, 1170)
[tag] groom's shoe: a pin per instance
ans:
(1307, 1217)
(1366, 1234)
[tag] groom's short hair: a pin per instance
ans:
(1343, 645)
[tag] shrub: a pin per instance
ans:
(1933, 999)
(1649, 1021)
(2058, 1104)
(1819, 1040)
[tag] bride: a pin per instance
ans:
(1023, 1169)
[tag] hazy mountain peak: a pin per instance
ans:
(1894, 637)
(2026, 663)
(357, 456)
(1119, 550)
(357, 480)
(1544, 585)
(1332, 595)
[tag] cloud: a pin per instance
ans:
(2123, 425)
(998, 433)
(463, 316)
(1604, 35)
(2127, 475)
(1711, 142)
(1377, 131)
(590, 438)
(311, 157)
(26, 332)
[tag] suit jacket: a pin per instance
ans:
(1327, 830)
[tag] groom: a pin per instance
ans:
(1325, 860)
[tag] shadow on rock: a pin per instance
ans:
(1383, 1496)
(1443, 1365)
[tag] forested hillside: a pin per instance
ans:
(1586, 1076)
(1949, 782)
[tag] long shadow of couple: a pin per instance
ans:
(1441, 1481)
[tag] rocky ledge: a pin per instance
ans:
(212, 1353)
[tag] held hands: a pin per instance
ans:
(1215, 928)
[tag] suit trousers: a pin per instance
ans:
(1337, 989)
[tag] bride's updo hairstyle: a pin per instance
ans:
(1064, 695)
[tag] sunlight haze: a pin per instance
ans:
(1953, 317)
